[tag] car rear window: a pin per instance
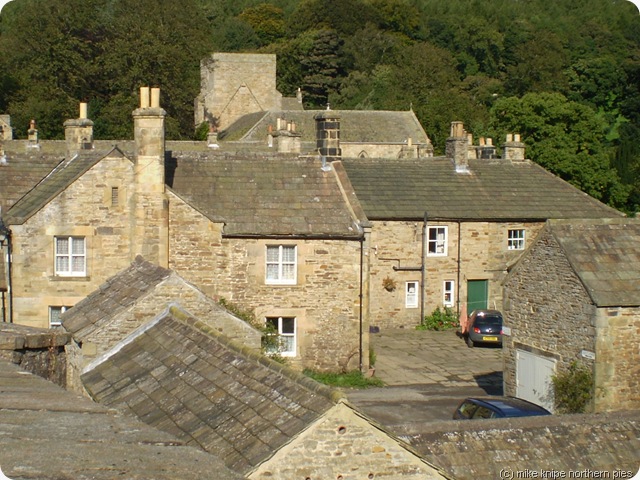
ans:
(467, 409)
(489, 320)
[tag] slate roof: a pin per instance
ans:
(207, 391)
(368, 126)
(114, 296)
(605, 255)
(265, 196)
(57, 180)
(19, 172)
(399, 189)
(492, 448)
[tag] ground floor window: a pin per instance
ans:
(411, 295)
(284, 328)
(54, 316)
(448, 296)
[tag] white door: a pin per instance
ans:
(533, 377)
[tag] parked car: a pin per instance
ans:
(497, 407)
(484, 326)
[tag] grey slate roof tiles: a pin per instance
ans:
(605, 254)
(207, 391)
(493, 190)
(116, 294)
(264, 195)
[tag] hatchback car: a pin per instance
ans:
(497, 407)
(485, 326)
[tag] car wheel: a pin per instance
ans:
(470, 343)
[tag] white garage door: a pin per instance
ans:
(533, 376)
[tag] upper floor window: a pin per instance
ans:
(281, 264)
(411, 295)
(284, 331)
(437, 242)
(71, 256)
(515, 239)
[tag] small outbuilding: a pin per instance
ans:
(575, 297)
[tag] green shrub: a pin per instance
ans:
(201, 132)
(440, 320)
(573, 388)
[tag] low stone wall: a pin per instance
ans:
(39, 351)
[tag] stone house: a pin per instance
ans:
(263, 420)
(467, 217)
(131, 299)
(274, 234)
(575, 297)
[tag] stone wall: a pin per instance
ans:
(617, 370)
(235, 84)
(344, 445)
(547, 309)
(83, 209)
(324, 300)
(475, 251)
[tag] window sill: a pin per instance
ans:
(69, 278)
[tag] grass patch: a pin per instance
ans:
(353, 379)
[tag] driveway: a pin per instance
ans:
(426, 375)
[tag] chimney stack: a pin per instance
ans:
(328, 135)
(513, 148)
(151, 225)
(457, 147)
(78, 133)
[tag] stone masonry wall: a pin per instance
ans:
(83, 209)
(617, 371)
(481, 254)
(344, 445)
(324, 301)
(234, 84)
(547, 309)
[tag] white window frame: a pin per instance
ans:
(280, 264)
(411, 298)
(60, 310)
(516, 238)
(448, 293)
(287, 339)
(69, 256)
(437, 243)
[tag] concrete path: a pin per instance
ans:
(427, 374)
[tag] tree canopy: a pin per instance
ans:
(565, 76)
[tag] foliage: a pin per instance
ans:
(270, 342)
(573, 388)
(353, 379)
(483, 63)
(439, 320)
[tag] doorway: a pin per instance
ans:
(477, 295)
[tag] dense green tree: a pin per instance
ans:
(266, 20)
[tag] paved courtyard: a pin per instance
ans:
(426, 375)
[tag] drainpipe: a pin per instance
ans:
(5, 233)
(361, 295)
(458, 279)
(423, 289)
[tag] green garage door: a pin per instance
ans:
(477, 294)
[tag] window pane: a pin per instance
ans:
(272, 254)
(62, 264)
(62, 246)
(78, 246)
(288, 254)
(78, 264)
(288, 272)
(272, 272)
(288, 344)
(288, 325)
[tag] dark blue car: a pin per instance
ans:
(497, 407)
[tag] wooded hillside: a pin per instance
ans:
(565, 74)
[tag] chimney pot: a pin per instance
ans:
(155, 97)
(83, 110)
(144, 97)
(481, 142)
(516, 137)
(489, 142)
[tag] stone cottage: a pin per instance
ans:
(575, 297)
(263, 420)
(273, 234)
(455, 224)
(131, 299)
